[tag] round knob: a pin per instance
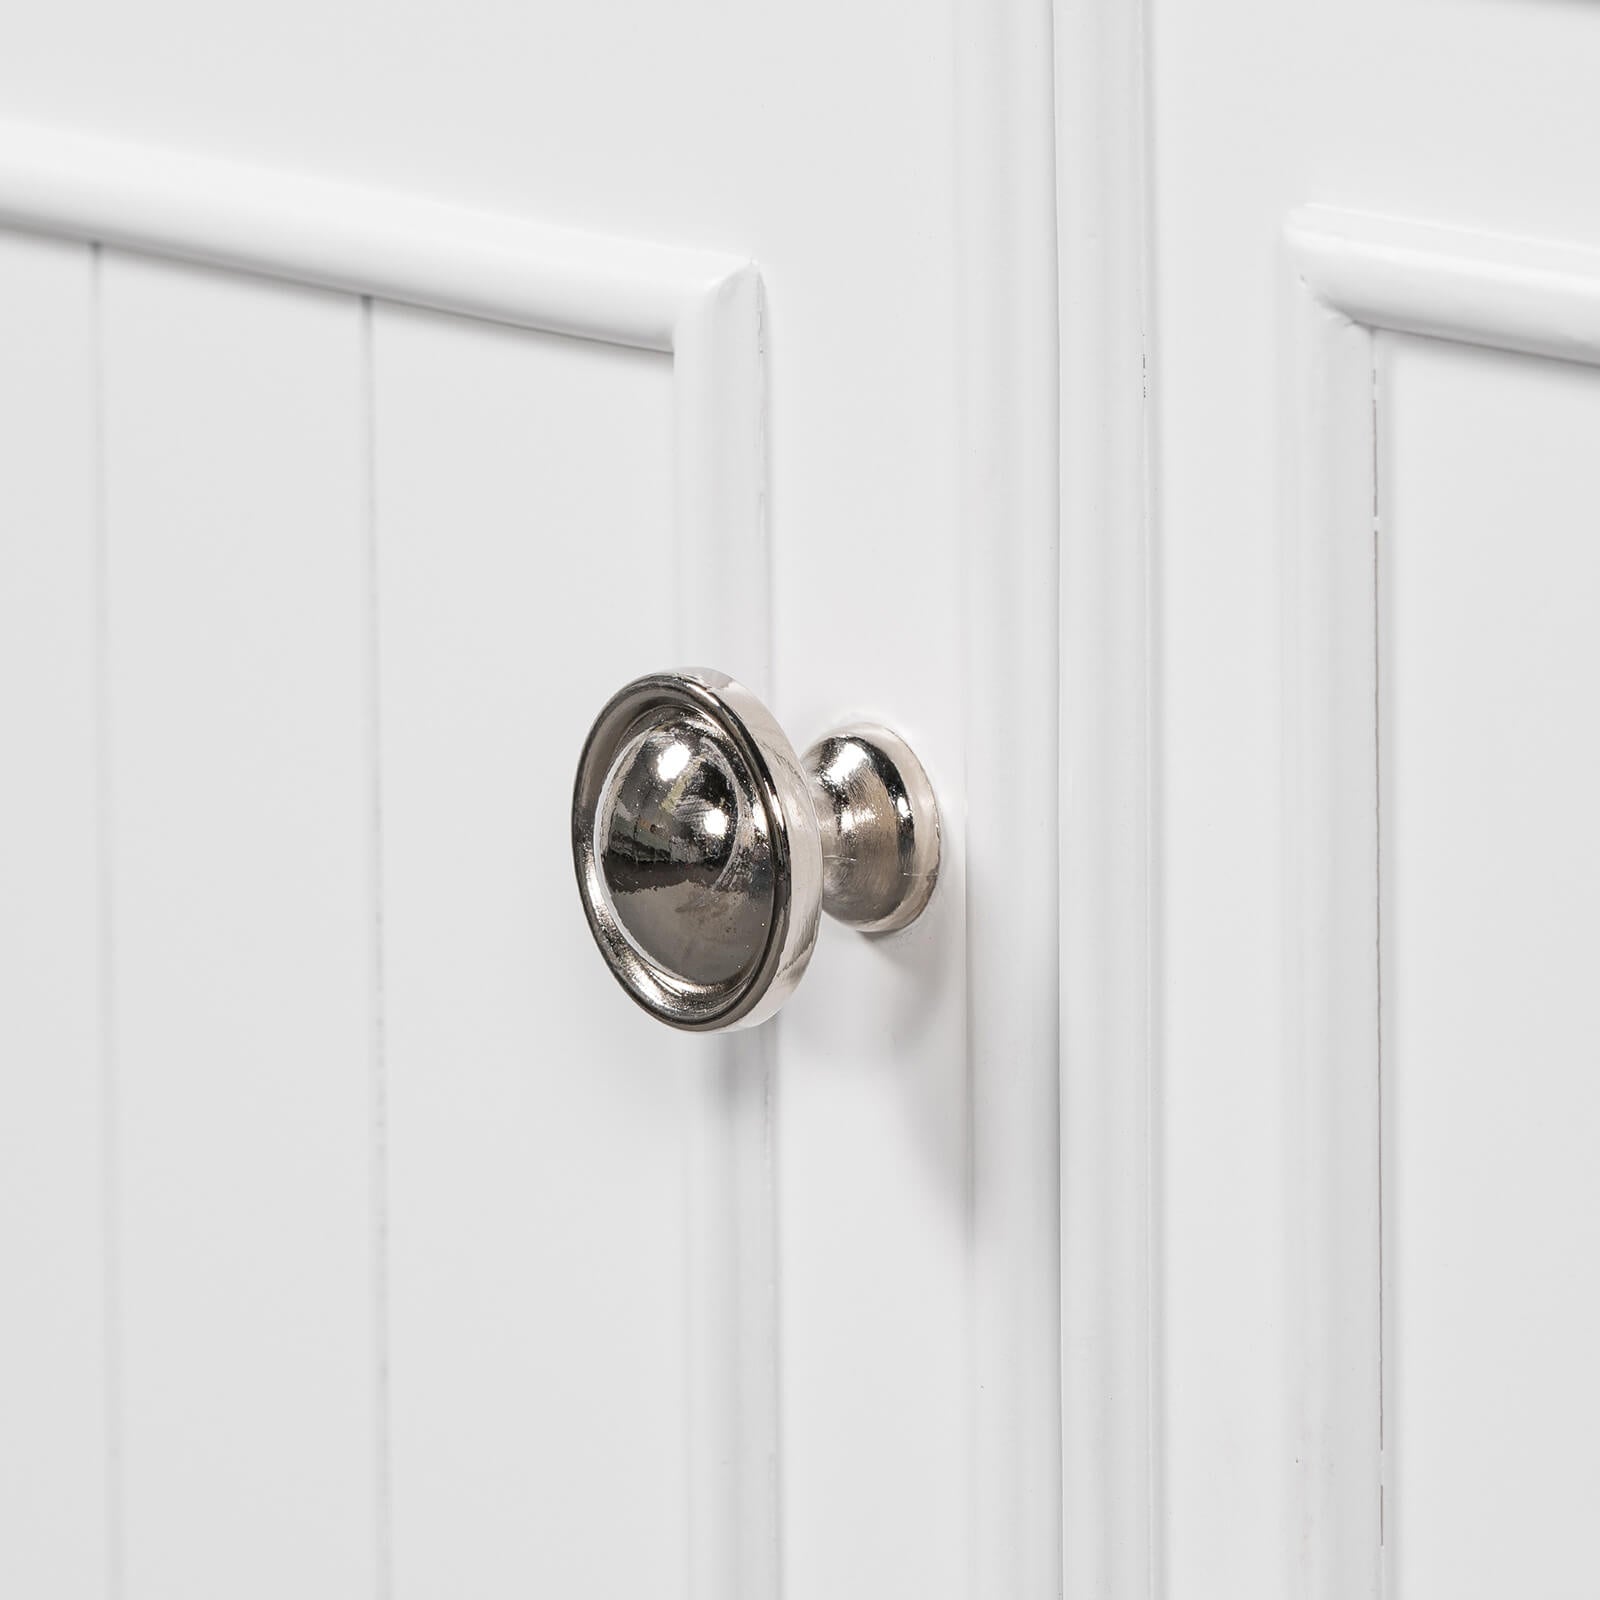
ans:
(706, 848)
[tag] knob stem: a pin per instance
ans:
(879, 824)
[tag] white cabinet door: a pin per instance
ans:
(1371, 329)
(379, 390)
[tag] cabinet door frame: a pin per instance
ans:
(706, 310)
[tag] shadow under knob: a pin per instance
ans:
(705, 848)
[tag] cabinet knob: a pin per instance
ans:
(705, 848)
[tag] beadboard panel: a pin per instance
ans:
(327, 1102)
(53, 1373)
(536, 1121)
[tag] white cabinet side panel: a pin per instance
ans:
(535, 1145)
(1489, 587)
(242, 932)
(53, 1505)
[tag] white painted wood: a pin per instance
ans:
(870, 571)
(1462, 284)
(242, 933)
(352, 237)
(1333, 709)
(1329, 1203)
(1489, 584)
(721, 589)
(1009, 431)
(711, 319)
(721, 607)
(1106, 1170)
(874, 1214)
(704, 308)
(537, 1122)
(54, 1368)
(1479, 117)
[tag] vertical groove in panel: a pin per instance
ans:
(242, 934)
(53, 1538)
(380, 1165)
(105, 876)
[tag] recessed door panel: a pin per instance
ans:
(1489, 662)
(53, 1203)
(239, 812)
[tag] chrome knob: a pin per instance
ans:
(706, 848)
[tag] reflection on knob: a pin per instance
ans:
(705, 847)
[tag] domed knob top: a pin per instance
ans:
(705, 848)
(684, 849)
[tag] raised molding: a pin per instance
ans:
(1504, 292)
(364, 240)
(703, 308)
(1353, 275)
(706, 311)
